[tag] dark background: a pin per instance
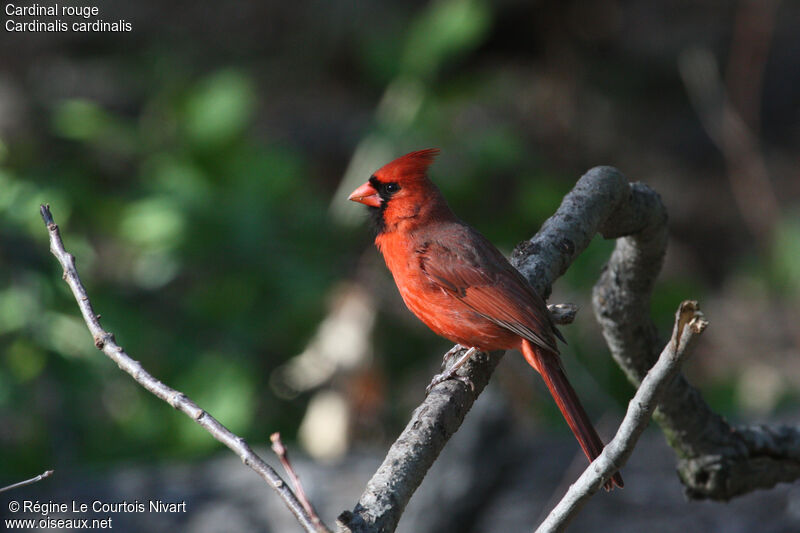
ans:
(198, 167)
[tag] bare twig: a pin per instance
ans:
(31, 481)
(283, 455)
(689, 322)
(105, 342)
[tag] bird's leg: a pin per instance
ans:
(450, 373)
(451, 352)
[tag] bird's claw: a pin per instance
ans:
(450, 373)
(445, 376)
(452, 351)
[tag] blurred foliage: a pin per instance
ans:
(208, 252)
(201, 223)
(785, 265)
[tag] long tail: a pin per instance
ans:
(549, 366)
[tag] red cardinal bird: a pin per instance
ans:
(461, 286)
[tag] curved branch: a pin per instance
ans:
(601, 201)
(104, 341)
(716, 460)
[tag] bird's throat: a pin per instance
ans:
(377, 218)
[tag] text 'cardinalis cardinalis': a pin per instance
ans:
(460, 285)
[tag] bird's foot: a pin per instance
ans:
(451, 352)
(445, 376)
(450, 373)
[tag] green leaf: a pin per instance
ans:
(219, 109)
(80, 120)
(25, 360)
(448, 28)
(153, 223)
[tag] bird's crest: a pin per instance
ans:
(411, 165)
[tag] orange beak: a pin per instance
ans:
(367, 195)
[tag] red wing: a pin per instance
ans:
(472, 270)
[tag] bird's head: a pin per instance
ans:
(399, 191)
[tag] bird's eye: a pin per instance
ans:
(391, 188)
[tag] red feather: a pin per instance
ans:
(409, 167)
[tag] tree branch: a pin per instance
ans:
(283, 456)
(31, 481)
(602, 201)
(105, 342)
(689, 322)
(716, 460)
